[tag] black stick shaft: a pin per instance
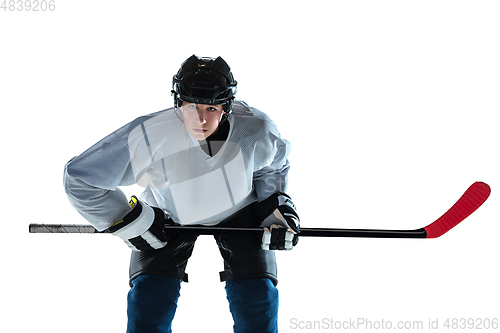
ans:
(205, 230)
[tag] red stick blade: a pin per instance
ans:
(471, 200)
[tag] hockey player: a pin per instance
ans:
(209, 160)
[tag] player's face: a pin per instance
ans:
(201, 120)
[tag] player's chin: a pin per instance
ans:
(200, 134)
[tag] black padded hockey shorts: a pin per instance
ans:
(243, 255)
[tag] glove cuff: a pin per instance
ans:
(135, 223)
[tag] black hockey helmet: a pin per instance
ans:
(204, 81)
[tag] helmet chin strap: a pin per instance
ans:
(212, 144)
(175, 111)
(221, 126)
(223, 117)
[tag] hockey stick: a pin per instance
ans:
(471, 200)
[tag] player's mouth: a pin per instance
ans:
(199, 130)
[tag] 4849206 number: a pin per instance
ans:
(28, 5)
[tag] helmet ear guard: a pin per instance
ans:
(204, 81)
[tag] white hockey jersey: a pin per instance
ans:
(157, 152)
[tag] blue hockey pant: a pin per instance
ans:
(152, 302)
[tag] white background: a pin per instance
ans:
(391, 107)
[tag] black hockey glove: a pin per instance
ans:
(281, 225)
(143, 228)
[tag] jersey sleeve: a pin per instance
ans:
(272, 177)
(92, 179)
